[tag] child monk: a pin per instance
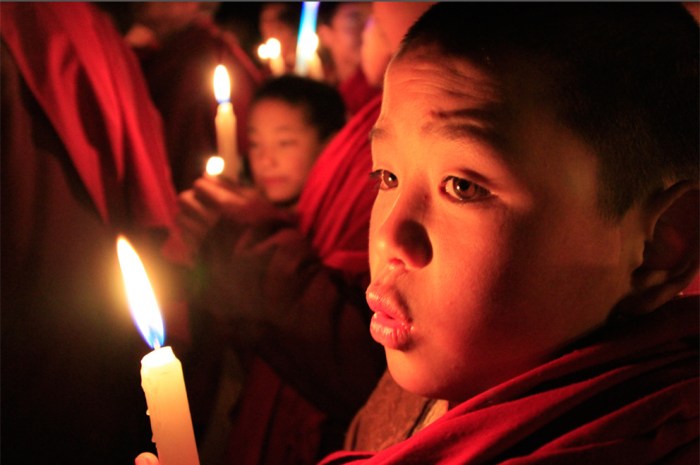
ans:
(535, 225)
(536, 220)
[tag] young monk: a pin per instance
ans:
(340, 28)
(292, 119)
(536, 220)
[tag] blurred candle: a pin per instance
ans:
(225, 122)
(161, 372)
(271, 52)
(308, 62)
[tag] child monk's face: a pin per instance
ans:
(283, 148)
(487, 251)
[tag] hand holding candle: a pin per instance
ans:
(225, 122)
(161, 372)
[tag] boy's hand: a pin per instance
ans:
(212, 199)
(195, 218)
(242, 204)
(201, 208)
(146, 458)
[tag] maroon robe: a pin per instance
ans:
(82, 159)
(627, 394)
(356, 91)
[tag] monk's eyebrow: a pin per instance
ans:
(479, 124)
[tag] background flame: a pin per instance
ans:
(222, 84)
(215, 166)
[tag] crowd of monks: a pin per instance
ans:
(108, 116)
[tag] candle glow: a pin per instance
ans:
(222, 84)
(215, 166)
(161, 372)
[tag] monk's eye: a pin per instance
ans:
(461, 190)
(385, 179)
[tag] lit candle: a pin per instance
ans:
(271, 51)
(161, 372)
(308, 62)
(225, 122)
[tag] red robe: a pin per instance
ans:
(356, 91)
(118, 152)
(625, 395)
(82, 159)
(312, 284)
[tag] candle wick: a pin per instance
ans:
(156, 345)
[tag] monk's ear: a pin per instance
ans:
(672, 250)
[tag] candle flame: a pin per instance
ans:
(270, 49)
(307, 40)
(215, 166)
(274, 48)
(139, 293)
(262, 51)
(308, 43)
(222, 84)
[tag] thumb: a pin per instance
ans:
(146, 458)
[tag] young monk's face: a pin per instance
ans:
(487, 251)
(283, 148)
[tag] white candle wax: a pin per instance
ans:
(225, 122)
(164, 385)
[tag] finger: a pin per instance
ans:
(223, 195)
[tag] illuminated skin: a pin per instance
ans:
(283, 148)
(375, 52)
(487, 251)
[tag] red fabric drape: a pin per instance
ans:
(79, 67)
(335, 205)
(628, 396)
(356, 92)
